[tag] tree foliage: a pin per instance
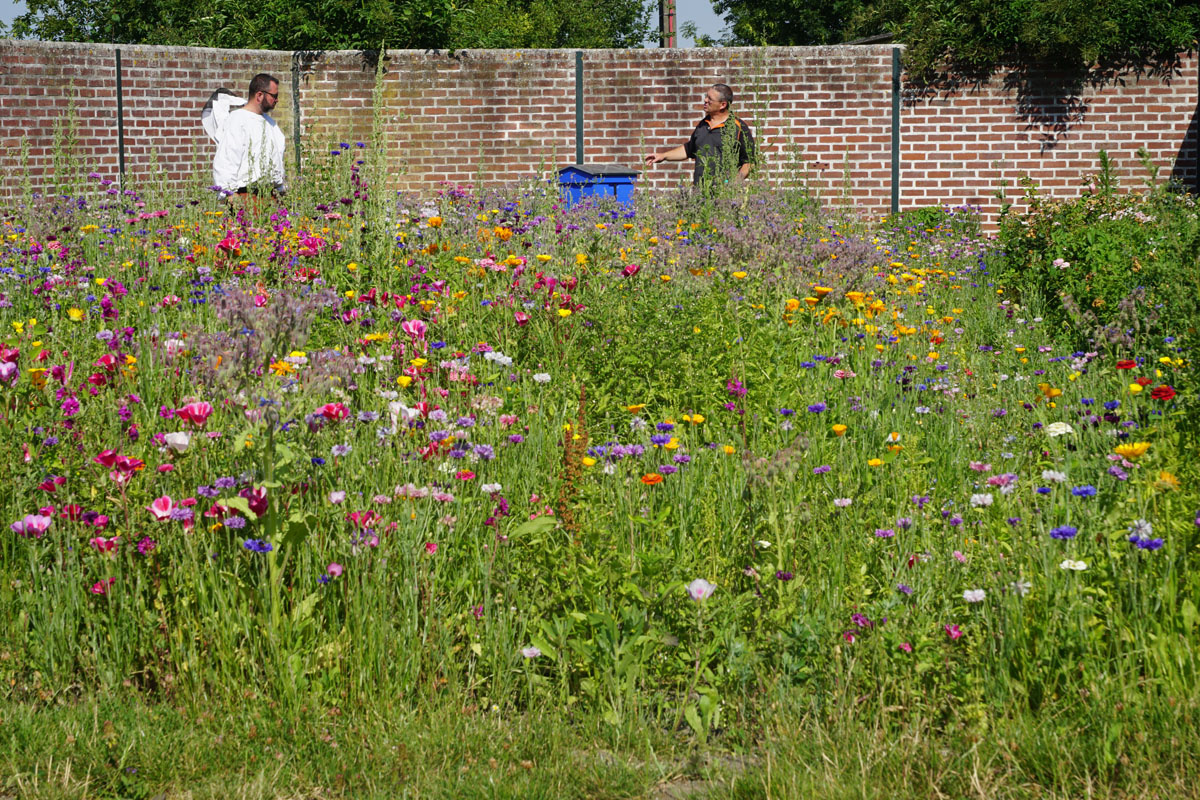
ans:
(341, 24)
(973, 38)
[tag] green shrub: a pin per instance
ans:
(1113, 268)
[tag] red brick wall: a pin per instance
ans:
(822, 117)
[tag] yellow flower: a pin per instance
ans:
(672, 445)
(580, 259)
(404, 381)
(76, 314)
(696, 419)
(281, 368)
(419, 362)
(1166, 481)
(821, 291)
(739, 274)
(874, 462)
(1134, 388)
(434, 222)
(636, 408)
(664, 278)
(38, 376)
(588, 461)
(839, 430)
(792, 304)
(728, 450)
(1132, 450)
(564, 312)
(542, 257)
(353, 265)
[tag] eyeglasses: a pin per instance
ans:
(272, 95)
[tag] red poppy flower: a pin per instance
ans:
(652, 478)
(1143, 381)
(1163, 392)
(1125, 363)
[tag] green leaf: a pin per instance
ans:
(298, 527)
(303, 610)
(285, 454)
(240, 504)
(534, 527)
(693, 719)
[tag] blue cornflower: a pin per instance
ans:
(817, 408)
(1064, 532)
(1084, 491)
(258, 546)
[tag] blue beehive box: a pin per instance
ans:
(580, 181)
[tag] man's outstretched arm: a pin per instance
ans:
(674, 154)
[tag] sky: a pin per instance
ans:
(698, 11)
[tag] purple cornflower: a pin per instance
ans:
(821, 470)
(817, 408)
(1063, 532)
(783, 576)
(904, 588)
(904, 523)
(884, 533)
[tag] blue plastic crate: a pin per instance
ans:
(585, 181)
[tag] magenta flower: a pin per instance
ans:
(953, 631)
(335, 569)
(162, 508)
(195, 413)
(32, 525)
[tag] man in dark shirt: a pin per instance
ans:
(706, 145)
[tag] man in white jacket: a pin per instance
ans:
(250, 146)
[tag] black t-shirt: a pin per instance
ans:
(707, 140)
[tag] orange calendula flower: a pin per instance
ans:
(792, 304)
(652, 478)
(839, 430)
(874, 462)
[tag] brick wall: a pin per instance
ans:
(822, 116)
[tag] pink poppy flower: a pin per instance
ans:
(195, 413)
(162, 508)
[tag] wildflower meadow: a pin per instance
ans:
(473, 494)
